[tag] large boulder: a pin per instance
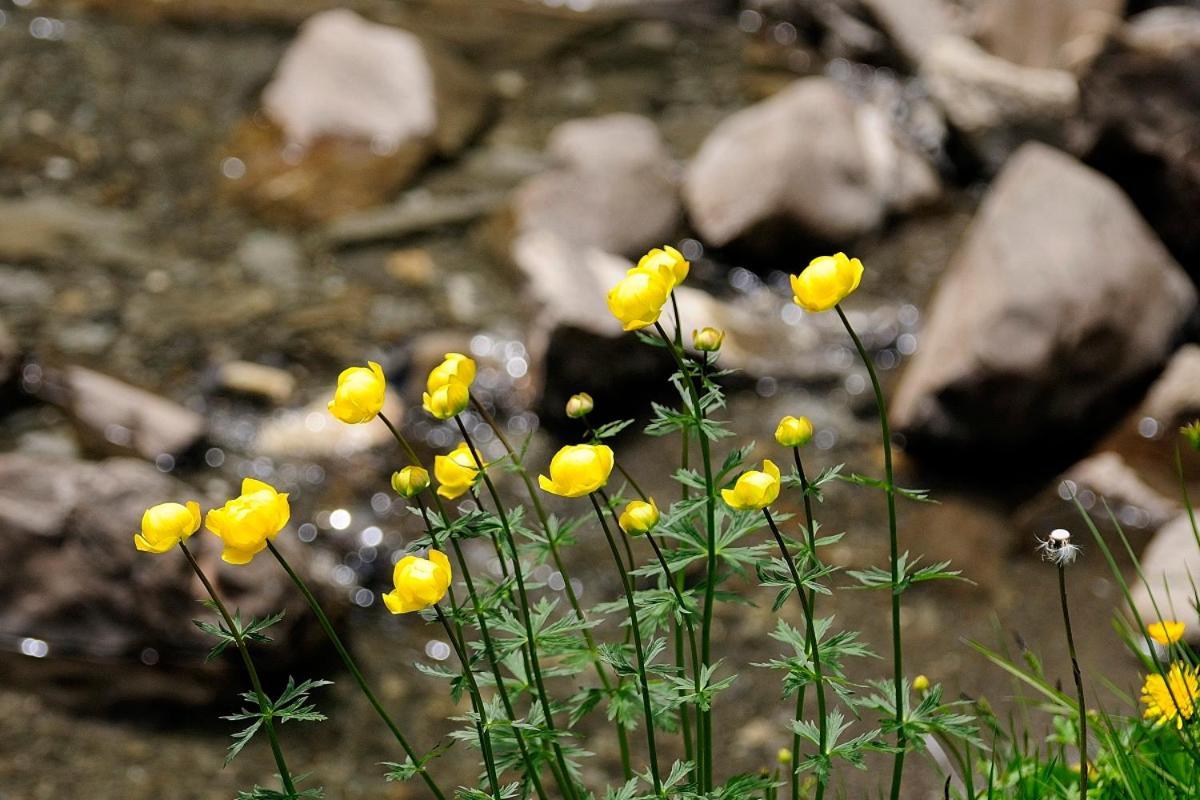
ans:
(112, 625)
(1059, 301)
(1171, 564)
(809, 161)
(1174, 399)
(354, 110)
(1045, 33)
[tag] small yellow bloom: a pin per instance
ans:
(410, 481)
(794, 431)
(921, 684)
(580, 405)
(246, 522)
(578, 469)
(359, 395)
(166, 525)
(1172, 698)
(447, 400)
(1167, 632)
(784, 756)
(667, 263)
(456, 472)
(826, 281)
(639, 517)
(754, 490)
(419, 582)
(637, 301)
(454, 367)
(708, 340)
(1191, 432)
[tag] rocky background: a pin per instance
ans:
(208, 208)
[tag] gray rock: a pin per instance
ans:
(1043, 33)
(810, 160)
(1174, 398)
(49, 228)
(913, 25)
(613, 187)
(313, 433)
(1059, 299)
(111, 622)
(1171, 564)
(10, 355)
(998, 105)
(272, 384)
(272, 259)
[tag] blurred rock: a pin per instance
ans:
(1141, 110)
(414, 267)
(1045, 33)
(1170, 563)
(418, 211)
(272, 259)
(114, 417)
(613, 187)
(998, 105)
(313, 433)
(354, 110)
(10, 355)
(73, 582)
(1059, 302)
(913, 25)
(257, 380)
(50, 228)
(1174, 399)
(809, 161)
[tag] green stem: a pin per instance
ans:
(485, 736)
(812, 602)
(811, 636)
(264, 705)
(1083, 753)
(353, 669)
(637, 644)
(893, 540)
(526, 618)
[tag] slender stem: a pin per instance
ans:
(353, 669)
(485, 736)
(1083, 753)
(412, 454)
(893, 541)
(637, 644)
(814, 650)
(812, 602)
(711, 526)
(567, 784)
(264, 705)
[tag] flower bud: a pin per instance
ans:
(921, 684)
(826, 281)
(708, 340)
(784, 756)
(1191, 432)
(754, 490)
(639, 517)
(410, 481)
(794, 431)
(359, 395)
(447, 400)
(166, 525)
(580, 405)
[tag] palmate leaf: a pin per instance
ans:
(610, 429)
(409, 770)
(916, 495)
(261, 793)
(877, 578)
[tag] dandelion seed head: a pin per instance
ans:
(1058, 548)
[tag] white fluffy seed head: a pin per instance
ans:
(1057, 547)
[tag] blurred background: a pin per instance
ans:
(208, 208)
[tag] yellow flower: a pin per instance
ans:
(1173, 697)
(454, 367)
(784, 756)
(708, 340)
(1167, 632)
(359, 395)
(245, 523)
(419, 582)
(794, 431)
(580, 405)
(456, 472)
(754, 490)
(410, 481)
(638, 299)
(921, 684)
(447, 400)
(166, 525)
(578, 469)
(826, 281)
(639, 517)
(667, 263)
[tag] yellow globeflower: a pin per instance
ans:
(578, 469)
(639, 517)
(1172, 698)
(637, 301)
(708, 340)
(826, 281)
(921, 684)
(666, 262)
(166, 525)
(359, 395)
(580, 405)
(456, 472)
(419, 582)
(410, 481)
(754, 490)
(246, 522)
(794, 431)
(1167, 632)
(447, 400)
(454, 367)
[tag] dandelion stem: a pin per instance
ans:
(264, 705)
(1083, 753)
(637, 644)
(893, 541)
(481, 724)
(353, 669)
